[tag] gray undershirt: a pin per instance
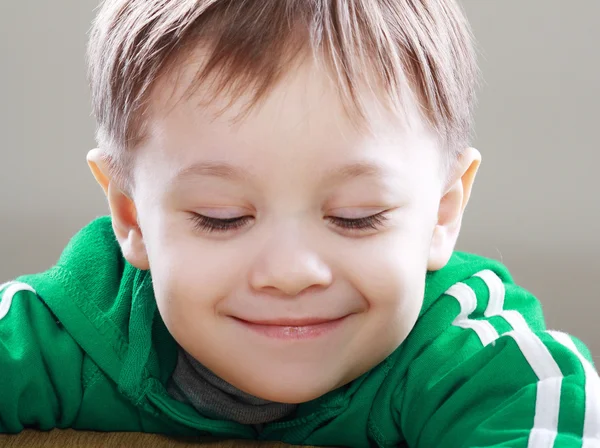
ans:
(213, 397)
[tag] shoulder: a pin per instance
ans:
(482, 341)
(19, 305)
(90, 288)
(90, 270)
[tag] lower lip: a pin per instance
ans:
(294, 333)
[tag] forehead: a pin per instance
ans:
(301, 122)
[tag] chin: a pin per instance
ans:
(288, 394)
(291, 391)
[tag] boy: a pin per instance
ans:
(286, 181)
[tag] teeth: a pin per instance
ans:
(295, 331)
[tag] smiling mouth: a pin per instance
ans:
(293, 329)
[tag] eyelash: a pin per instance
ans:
(368, 222)
(207, 224)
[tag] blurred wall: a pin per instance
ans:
(535, 205)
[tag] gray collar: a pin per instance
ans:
(213, 397)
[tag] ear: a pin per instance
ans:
(122, 210)
(452, 208)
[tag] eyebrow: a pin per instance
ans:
(212, 169)
(226, 170)
(355, 170)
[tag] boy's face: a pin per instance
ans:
(309, 268)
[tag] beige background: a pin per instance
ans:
(535, 205)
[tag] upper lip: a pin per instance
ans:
(291, 322)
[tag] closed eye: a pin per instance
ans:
(373, 222)
(208, 224)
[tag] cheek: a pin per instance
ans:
(393, 262)
(190, 275)
(393, 281)
(390, 275)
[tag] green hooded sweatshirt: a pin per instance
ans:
(83, 346)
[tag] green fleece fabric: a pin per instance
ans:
(82, 345)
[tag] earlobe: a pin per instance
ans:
(451, 209)
(123, 213)
(126, 227)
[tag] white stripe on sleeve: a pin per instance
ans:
(591, 424)
(547, 405)
(516, 320)
(11, 289)
(497, 292)
(467, 299)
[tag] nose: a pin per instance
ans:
(288, 267)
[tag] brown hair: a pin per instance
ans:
(385, 44)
